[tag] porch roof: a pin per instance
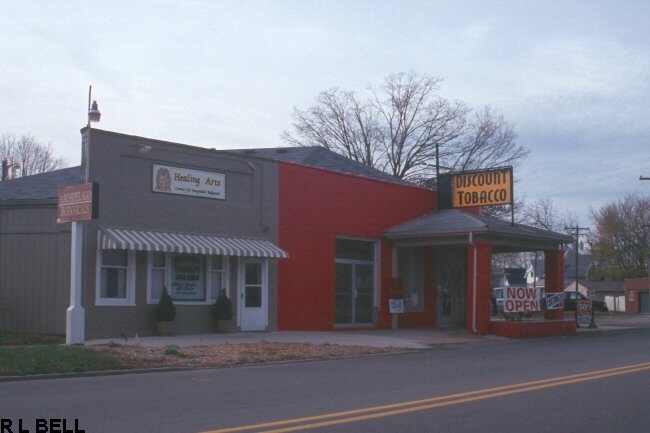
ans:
(452, 226)
(163, 241)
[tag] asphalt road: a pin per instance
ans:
(596, 382)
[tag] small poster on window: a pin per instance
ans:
(187, 278)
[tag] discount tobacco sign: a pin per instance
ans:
(482, 188)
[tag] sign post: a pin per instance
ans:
(76, 204)
(584, 310)
(396, 301)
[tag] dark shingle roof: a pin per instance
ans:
(40, 186)
(454, 222)
(516, 275)
(603, 286)
(316, 156)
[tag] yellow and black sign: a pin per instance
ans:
(482, 188)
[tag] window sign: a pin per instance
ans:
(188, 277)
(521, 300)
(176, 180)
(554, 301)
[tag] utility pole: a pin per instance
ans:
(646, 226)
(577, 236)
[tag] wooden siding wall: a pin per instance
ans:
(34, 270)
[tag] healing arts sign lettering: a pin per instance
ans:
(521, 299)
(176, 180)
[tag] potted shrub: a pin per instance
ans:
(223, 313)
(165, 313)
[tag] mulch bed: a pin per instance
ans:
(227, 354)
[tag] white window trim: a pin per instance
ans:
(129, 300)
(225, 279)
(225, 272)
(150, 298)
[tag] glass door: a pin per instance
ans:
(452, 293)
(253, 294)
(354, 293)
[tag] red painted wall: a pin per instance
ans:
(533, 329)
(632, 288)
(554, 279)
(315, 207)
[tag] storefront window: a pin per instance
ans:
(188, 277)
(157, 271)
(355, 250)
(410, 268)
(115, 277)
(216, 276)
(114, 267)
(187, 281)
(355, 282)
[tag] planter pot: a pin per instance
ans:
(224, 326)
(164, 328)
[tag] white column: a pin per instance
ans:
(75, 317)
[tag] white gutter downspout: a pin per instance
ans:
(474, 281)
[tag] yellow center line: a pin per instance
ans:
(357, 415)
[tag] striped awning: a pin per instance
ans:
(148, 240)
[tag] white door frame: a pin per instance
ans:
(253, 319)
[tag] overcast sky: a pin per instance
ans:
(571, 76)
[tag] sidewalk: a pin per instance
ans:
(419, 338)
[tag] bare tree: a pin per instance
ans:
(415, 123)
(489, 141)
(340, 123)
(396, 130)
(620, 242)
(543, 214)
(32, 156)
(403, 127)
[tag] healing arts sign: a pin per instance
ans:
(176, 180)
(521, 299)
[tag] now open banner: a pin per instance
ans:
(521, 299)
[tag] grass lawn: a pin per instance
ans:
(25, 354)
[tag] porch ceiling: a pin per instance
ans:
(452, 227)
